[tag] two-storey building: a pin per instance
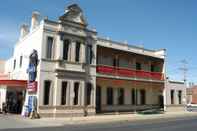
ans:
(79, 73)
(129, 78)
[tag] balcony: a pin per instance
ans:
(116, 71)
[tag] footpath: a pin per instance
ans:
(99, 119)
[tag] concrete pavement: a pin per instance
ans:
(16, 121)
(176, 122)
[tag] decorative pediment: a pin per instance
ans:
(73, 13)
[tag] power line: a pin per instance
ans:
(184, 69)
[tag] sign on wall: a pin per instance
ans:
(32, 72)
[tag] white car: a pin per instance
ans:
(192, 107)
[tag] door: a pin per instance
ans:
(161, 103)
(98, 99)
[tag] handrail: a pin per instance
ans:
(129, 72)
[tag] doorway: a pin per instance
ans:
(98, 99)
(14, 101)
(161, 103)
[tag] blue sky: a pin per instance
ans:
(155, 24)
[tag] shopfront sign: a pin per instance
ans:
(32, 86)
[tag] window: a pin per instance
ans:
(88, 93)
(143, 97)
(89, 54)
(180, 97)
(64, 91)
(47, 86)
(49, 47)
(120, 96)
(65, 49)
(172, 96)
(152, 68)
(77, 51)
(138, 66)
(14, 64)
(116, 62)
(76, 91)
(21, 61)
(110, 96)
(133, 97)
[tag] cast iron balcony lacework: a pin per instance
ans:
(124, 72)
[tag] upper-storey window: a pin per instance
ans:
(155, 68)
(138, 66)
(77, 51)
(152, 68)
(21, 61)
(66, 49)
(14, 66)
(89, 54)
(116, 62)
(49, 47)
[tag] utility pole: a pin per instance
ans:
(184, 69)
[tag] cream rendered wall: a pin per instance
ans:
(176, 87)
(2, 66)
(48, 67)
(23, 48)
(8, 66)
(2, 95)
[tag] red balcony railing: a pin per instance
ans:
(110, 70)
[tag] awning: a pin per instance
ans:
(14, 83)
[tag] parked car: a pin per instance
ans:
(192, 107)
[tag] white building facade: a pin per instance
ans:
(176, 98)
(68, 66)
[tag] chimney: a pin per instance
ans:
(24, 30)
(34, 20)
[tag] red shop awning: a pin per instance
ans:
(14, 83)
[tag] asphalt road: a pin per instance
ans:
(175, 124)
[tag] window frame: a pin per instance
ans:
(110, 96)
(89, 93)
(180, 97)
(138, 66)
(77, 51)
(46, 101)
(121, 96)
(64, 93)
(76, 97)
(172, 92)
(65, 55)
(21, 61)
(14, 64)
(89, 54)
(49, 52)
